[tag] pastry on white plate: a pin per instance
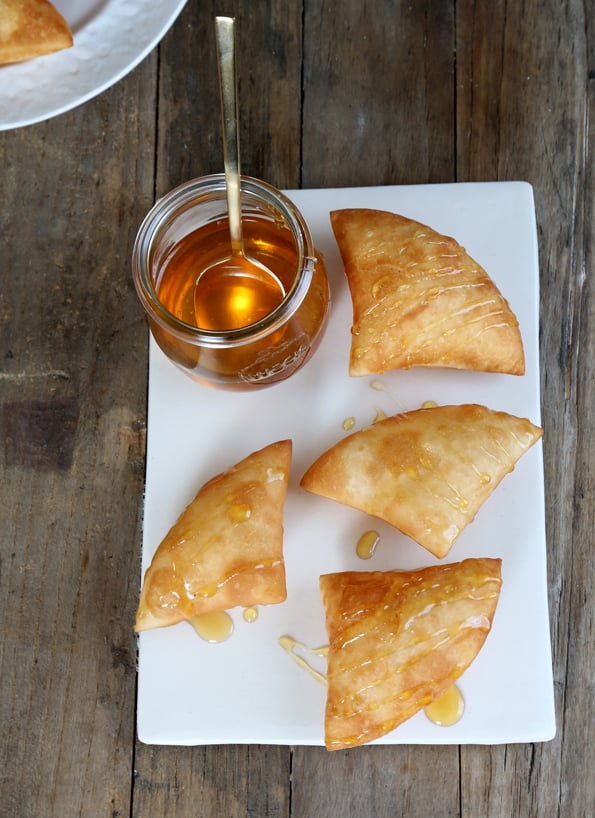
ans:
(419, 299)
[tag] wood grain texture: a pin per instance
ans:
(269, 61)
(72, 385)
(201, 782)
(350, 93)
(380, 782)
(378, 93)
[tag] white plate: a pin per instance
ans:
(248, 690)
(111, 37)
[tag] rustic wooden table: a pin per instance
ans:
(338, 93)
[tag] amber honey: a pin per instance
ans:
(216, 626)
(232, 330)
(448, 708)
(233, 299)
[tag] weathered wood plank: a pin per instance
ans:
(269, 43)
(72, 411)
(379, 782)
(577, 789)
(378, 93)
(201, 782)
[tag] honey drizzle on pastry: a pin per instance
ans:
(441, 464)
(444, 711)
(418, 298)
(399, 693)
(433, 640)
(207, 591)
(225, 548)
(384, 303)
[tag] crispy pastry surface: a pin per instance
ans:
(31, 28)
(400, 639)
(420, 300)
(426, 472)
(226, 548)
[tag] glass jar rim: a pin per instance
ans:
(180, 199)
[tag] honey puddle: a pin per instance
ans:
(213, 627)
(348, 424)
(446, 709)
(289, 645)
(366, 545)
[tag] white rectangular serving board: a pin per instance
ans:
(248, 689)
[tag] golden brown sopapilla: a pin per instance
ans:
(398, 640)
(226, 548)
(31, 28)
(426, 472)
(420, 300)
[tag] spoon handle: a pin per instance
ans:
(226, 60)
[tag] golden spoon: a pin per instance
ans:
(247, 288)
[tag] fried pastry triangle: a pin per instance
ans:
(420, 300)
(31, 28)
(426, 472)
(226, 548)
(398, 640)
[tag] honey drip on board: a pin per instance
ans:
(366, 545)
(250, 614)
(448, 708)
(379, 386)
(380, 415)
(214, 627)
(289, 644)
(348, 424)
(429, 404)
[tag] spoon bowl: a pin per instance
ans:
(237, 290)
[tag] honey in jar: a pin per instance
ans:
(230, 331)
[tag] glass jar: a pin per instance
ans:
(185, 232)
